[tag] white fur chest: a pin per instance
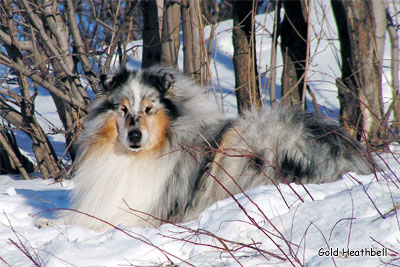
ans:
(106, 181)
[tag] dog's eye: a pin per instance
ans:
(148, 109)
(123, 109)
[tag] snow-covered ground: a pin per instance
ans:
(344, 214)
(285, 227)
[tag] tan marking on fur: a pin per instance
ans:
(104, 139)
(156, 125)
(226, 151)
(216, 170)
(228, 141)
(109, 132)
(125, 102)
(145, 103)
(210, 190)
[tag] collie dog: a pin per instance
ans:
(155, 149)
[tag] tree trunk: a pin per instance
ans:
(350, 112)
(394, 62)
(151, 33)
(244, 56)
(272, 74)
(193, 57)
(294, 31)
(361, 106)
(170, 34)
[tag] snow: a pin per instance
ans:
(343, 214)
(279, 226)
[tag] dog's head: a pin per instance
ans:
(141, 107)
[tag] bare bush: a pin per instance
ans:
(58, 46)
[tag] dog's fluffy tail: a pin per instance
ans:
(301, 147)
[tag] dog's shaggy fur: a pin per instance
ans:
(155, 145)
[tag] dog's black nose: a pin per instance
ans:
(135, 136)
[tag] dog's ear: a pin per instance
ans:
(105, 82)
(162, 79)
(165, 81)
(109, 82)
